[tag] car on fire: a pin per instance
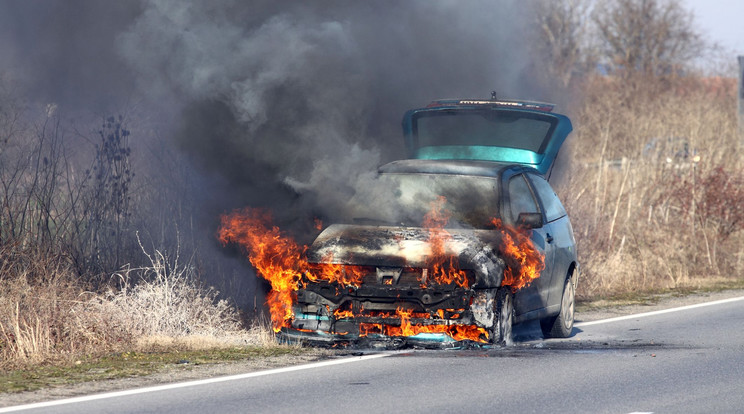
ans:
(457, 243)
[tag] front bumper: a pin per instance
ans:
(374, 341)
(425, 317)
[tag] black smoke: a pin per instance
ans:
(65, 51)
(305, 98)
(288, 105)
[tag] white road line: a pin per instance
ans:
(310, 366)
(659, 312)
(190, 383)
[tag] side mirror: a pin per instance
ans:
(530, 220)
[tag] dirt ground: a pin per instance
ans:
(181, 373)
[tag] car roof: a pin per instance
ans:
(450, 167)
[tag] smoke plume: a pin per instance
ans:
(287, 105)
(306, 98)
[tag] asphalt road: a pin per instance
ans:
(687, 361)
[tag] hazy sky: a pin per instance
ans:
(721, 21)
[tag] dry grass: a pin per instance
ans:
(46, 316)
(36, 295)
(655, 188)
(162, 299)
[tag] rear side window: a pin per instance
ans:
(521, 199)
(553, 207)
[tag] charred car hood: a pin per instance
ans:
(393, 246)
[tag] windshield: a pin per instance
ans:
(489, 128)
(404, 199)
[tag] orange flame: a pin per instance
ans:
(523, 261)
(443, 267)
(345, 275)
(277, 258)
(280, 260)
(343, 314)
(456, 332)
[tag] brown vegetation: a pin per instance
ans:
(74, 277)
(655, 185)
(47, 314)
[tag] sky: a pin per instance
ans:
(721, 22)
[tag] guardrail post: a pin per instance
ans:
(741, 94)
(740, 120)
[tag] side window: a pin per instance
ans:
(521, 199)
(553, 207)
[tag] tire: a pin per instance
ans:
(561, 325)
(501, 333)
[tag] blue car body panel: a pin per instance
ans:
(538, 151)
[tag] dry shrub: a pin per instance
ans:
(259, 334)
(655, 189)
(163, 305)
(37, 292)
(47, 315)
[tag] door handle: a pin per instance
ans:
(549, 238)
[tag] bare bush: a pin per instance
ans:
(69, 206)
(50, 201)
(37, 292)
(654, 37)
(46, 314)
(163, 300)
(562, 38)
(654, 192)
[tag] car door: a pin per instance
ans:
(521, 199)
(560, 236)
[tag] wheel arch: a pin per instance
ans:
(573, 270)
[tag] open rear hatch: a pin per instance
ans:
(512, 132)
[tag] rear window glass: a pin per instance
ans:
(482, 128)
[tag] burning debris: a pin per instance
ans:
(413, 282)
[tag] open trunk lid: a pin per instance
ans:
(513, 132)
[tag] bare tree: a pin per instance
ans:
(562, 37)
(654, 37)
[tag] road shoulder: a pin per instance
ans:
(586, 312)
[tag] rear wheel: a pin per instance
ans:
(560, 326)
(501, 333)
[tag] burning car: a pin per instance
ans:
(468, 239)
(455, 244)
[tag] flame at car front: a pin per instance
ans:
(524, 262)
(281, 261)
(443, 266)
(406, 328)
(276, 257)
